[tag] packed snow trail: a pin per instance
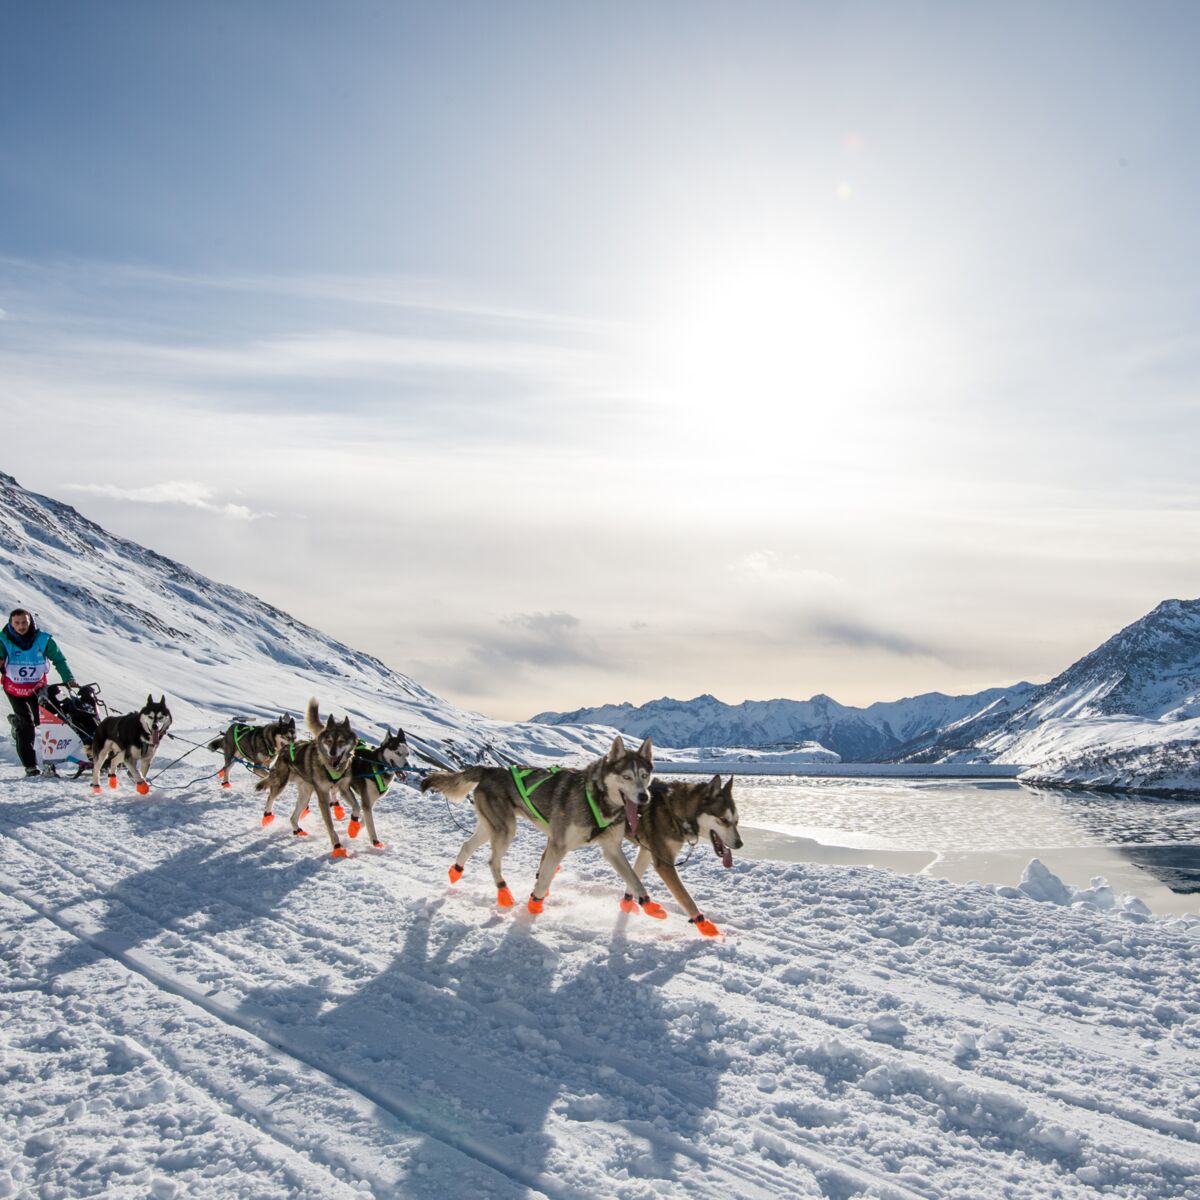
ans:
(195, 1005)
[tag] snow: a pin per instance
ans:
(191, 1005)
(192, 1002)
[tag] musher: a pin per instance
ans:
(24, 650)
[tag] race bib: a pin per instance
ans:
(22, 678)
(25, 673)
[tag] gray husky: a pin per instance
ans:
(320, 766)
(132, 739)
(371, 773)
(681, 812)
(574, 807)
(253, 744)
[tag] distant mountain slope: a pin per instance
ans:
(138, 622)
(856, 734)
(1125, 715)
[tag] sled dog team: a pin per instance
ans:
(604, 803)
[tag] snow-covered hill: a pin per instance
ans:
(855, 734)
(1126, 715)
(137, 622)
(191, 1005)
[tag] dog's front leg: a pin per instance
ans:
(670, 876)
(137, 769)
(610, 846)
(339, 851)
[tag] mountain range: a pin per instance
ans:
(1125, 715)
(854, 734)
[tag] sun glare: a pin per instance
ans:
(791, 339)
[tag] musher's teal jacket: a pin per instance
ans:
(29, 660)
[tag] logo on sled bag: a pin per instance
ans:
(57, 741)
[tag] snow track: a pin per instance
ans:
(196, 1006)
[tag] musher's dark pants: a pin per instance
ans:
(25, 721)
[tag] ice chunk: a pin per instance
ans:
(1040, 883)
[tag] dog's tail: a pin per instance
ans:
(218, 743)
(312, 718)
(455, 785)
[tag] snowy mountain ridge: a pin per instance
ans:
(855, 734)
(136, 621)
(1125, 715)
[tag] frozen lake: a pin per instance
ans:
(983, 829)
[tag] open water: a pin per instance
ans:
(978, 829)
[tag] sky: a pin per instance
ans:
(561, 355)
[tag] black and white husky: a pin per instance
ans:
(131, 739)
(371, 773)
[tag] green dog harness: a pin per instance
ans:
(519, 775)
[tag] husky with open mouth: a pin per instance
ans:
(681, 812)
(131, 739)
(372, 770)
(321, 766)
(573, 807)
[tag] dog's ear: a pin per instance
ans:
(647, 751)
(617, 749)
(163, 700)
(714, 783)
(729, 788)
(149, 701)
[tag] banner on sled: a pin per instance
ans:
(57, 741)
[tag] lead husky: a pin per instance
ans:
(318, 766)
(371, 773)
(132, 739)
(256, 744)
(681, 812)
(574, 807)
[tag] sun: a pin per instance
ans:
(784, 334)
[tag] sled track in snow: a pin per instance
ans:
(1105, 1121)
(278, 1045)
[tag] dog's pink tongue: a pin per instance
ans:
(727, 858)
(631, 815)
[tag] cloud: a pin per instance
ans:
(802, 601)
(771, 567)
(525, 643)
(191, 495)
(341, 353)
(859, 635)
